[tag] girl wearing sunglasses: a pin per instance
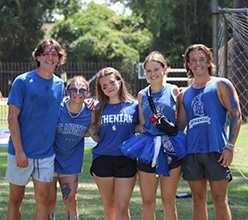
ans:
(73, 123)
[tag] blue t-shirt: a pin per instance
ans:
(165, 104)
(206, 119)
(38, 100)
(117, 124)
(69, 141)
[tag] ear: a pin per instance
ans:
(166, 70)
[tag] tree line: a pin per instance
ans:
(93, 32)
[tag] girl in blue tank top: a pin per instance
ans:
(154, 164)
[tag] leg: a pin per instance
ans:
(69, 186)
(123, 192)
(199, 194)
(220, 200)
(106, 188)
(169, 186)
(52, 198)
(16, 194)
(41, 190)
(148, 187)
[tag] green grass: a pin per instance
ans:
(89, 200)
(3, 115)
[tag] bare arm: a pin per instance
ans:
(229, 99)
(21, 159)
(181, 113)
(175, 91)
(92, 131)
(140, 127)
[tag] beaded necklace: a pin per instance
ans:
(69, 112)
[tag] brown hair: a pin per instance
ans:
(156, 57)
(123, 93)
(207, 51)
(78, 78)
(40, 48)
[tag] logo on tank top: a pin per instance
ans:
(114, 127)
(198, 108)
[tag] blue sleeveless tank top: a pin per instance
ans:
(165, 105)
(206, 119)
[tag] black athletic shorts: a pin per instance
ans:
(204, 166)
(146, 167)
(114, 166)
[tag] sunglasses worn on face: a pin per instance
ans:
(83, 92)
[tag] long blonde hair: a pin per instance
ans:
(123, 93)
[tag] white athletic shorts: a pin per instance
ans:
(39, 169)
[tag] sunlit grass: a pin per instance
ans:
(90, 204)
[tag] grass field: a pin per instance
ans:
(89, 200)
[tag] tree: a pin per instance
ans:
(96, 33)
(175, 24)
(21, 23)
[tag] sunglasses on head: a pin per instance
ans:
(81, 91)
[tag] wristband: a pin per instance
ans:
(231, 145)
(228, 148)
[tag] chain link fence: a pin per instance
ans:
(233, 53)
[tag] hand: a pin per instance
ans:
(21, 160)
(226, 158)
(89, 103)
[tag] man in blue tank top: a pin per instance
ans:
(34, 102)
(203, 109)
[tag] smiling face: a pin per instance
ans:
(154, 72)
(77, 91)
(198, 62)
(49, 59)
(110, 85)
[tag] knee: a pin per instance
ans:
(221, 201)
(15, 201)
(43, 197)
(168, 201)
(199, 199)
(149, 203)
(109, 210)
(70, 201)
(121, 207)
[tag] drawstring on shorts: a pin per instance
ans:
(37, 163)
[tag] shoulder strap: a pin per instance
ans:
(150, 100)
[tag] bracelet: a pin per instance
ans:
(228, 148)
(231, 145)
